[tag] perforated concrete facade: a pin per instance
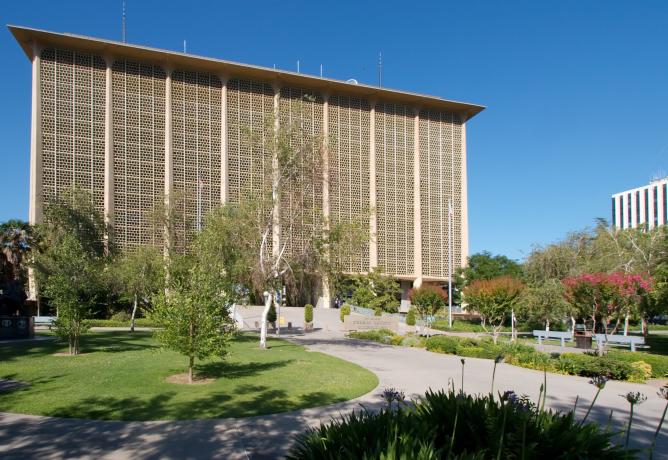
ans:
(135, 125)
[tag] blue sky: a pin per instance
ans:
(576, 91)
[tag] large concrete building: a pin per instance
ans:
(132, 124)
(645, 207)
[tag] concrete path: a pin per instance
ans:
(411, 370)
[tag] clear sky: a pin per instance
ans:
(576, 91)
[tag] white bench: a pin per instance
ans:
(44, 320)
(563, 336)
(633, 340)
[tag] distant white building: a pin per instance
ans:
(645, 206)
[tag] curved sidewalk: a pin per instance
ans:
(412, 370)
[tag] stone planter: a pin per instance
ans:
(308, 327)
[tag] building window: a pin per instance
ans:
(646, 209)
(628, 210)
(614, 208)
(637, 208)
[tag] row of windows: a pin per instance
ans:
(647, 207)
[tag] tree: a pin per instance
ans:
(16, 244)
(71, 263)
(375, 290)
(558, 260)
(427, 300)
(139, 275)
(494, 300)
(483, 266)
(544, 303)
(194, 312)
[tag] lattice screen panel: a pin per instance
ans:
(250, 126)
(394, 188)
(349, 138)
(440, 139)
(301, 122)
(138, 98)
(196, 124)
(73, 106)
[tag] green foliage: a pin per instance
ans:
(544, 303)
(375, 290)
(413, 341)
(455, 426)
(120, 317)
(385, 336)
(193, 313)
(410, 317)
(71, 263)
(345, 310)
(378, 312)
(121, 322)
(308, 313)
(582, 364)
(493, 299)
(271, 314)
(428, 300)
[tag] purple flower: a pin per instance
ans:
(599, 381)
(634, 397)
(663, 392)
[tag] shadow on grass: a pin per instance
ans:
(223, 369)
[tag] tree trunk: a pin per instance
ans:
(643, 326)
(626, 324)
(263, 326)
(191, 364)
(547, 325)
(134, 313)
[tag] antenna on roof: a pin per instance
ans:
(123, 23)
(297, 65)
(184, 47)
(380, 70)
(320, 70)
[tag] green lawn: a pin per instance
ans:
(121, 376)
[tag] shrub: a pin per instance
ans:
(588, 366)
(410, 318)
(641, 371)
(412, 341)
(385, 336)
(345, 310)
(378, 312)
(442, 344)
(121, 317)
(271, 314)
(460, 427)
(308, 313)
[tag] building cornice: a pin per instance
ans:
(28, 38)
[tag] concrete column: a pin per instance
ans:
(276, 212)
(417, 216)
(325, 297)
(618, 216)
(35, 192)
(465, 202)
(405, 304)
(659, 198)
(634, 210)
(650, 208)
(373, 241)
(224, 179)
(108, 148)
(169, 166)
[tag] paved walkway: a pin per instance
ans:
(412, 370)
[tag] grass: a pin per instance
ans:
(121, 376)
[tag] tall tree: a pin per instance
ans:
(544, 303)
(494, 300)
(139, 275)
(194, 312)
(71, 264)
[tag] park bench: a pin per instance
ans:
(632, 340)
(44, 320)
(563, 336)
